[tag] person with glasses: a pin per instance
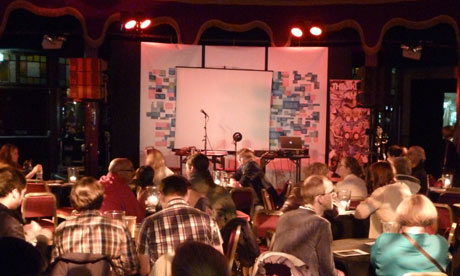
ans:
(304, 233)
(117, 194)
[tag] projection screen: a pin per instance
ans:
(235, 100)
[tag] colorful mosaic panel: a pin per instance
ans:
(162, 94)
(348, 123)
(295, 109)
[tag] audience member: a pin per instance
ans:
(178, 222)
(9, 154)
(19, 258)
(117, 194)
(142, 179)
(201, 180)
(403, 174)
(209, 261)
(450, 160)
(12, 190)
(393, 152)
(416, 155)
(91, 232)
(304, 233)
(249, 174)
(382, 203)
(294, 199)
(414, 214)
(350, 170)
(155, 159)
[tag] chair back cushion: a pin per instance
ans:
(243, 198)
(36, 205)
(81, 264)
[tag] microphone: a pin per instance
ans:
(205, 114)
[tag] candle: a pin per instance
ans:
(72, 178)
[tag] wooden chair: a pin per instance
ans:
(232, 245)
(269, 204)
(264, 225)
(243, 198)
(279, 264)
(451, 235)
(40, 207)
(445, 219)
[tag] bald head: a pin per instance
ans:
(120, 164)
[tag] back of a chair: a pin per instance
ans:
(232, 245)
(445, 218)
(39, 205)
(265, 221)
(243, 199)
(36, 187)
(81, 264)
(281, 264)
(268, 201)
(451, 235)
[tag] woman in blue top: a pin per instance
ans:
(393, 254)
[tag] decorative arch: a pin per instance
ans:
(234, 28)
(168, 21)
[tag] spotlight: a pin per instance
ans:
(2, 57)
(145, 23)
(130, 24)
(297, 32)
(316, 31)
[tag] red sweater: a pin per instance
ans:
(118, 196)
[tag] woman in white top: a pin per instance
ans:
(382, 203)
(155, 159)
(350, 171)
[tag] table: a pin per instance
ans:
(353, 265)
(62, 192)
(296, 159)
(347, 226)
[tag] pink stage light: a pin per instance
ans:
(316, 31)
(297, 32)
(145, 23)
(130, 24)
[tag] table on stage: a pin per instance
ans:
(358, 265)
(295, 158)
(217, 157)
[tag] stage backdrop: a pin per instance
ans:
(298, 96)
(348, 123)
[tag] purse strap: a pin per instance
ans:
(419, 248)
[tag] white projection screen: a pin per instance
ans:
(235, 100)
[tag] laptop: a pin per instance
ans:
(290, 143)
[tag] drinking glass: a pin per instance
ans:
(72, 174)
(344, 198)
(130, 222)
(114, 214)
(389, 226)
(447, 179)
(151, 198)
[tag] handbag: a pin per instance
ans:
(419, 248)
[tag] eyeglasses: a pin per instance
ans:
(332, 193)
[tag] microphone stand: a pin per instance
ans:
(205, 134)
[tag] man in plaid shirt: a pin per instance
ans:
(176, 223)
(90, 232)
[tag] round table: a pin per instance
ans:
(353, 265)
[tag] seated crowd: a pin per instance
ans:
(189, 232)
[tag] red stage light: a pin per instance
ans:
(297, 32)
(316, 31)
(145, 23)
(130, 24)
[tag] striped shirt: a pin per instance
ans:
(178, 222)
(90, 232)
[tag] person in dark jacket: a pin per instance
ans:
(249, 174)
